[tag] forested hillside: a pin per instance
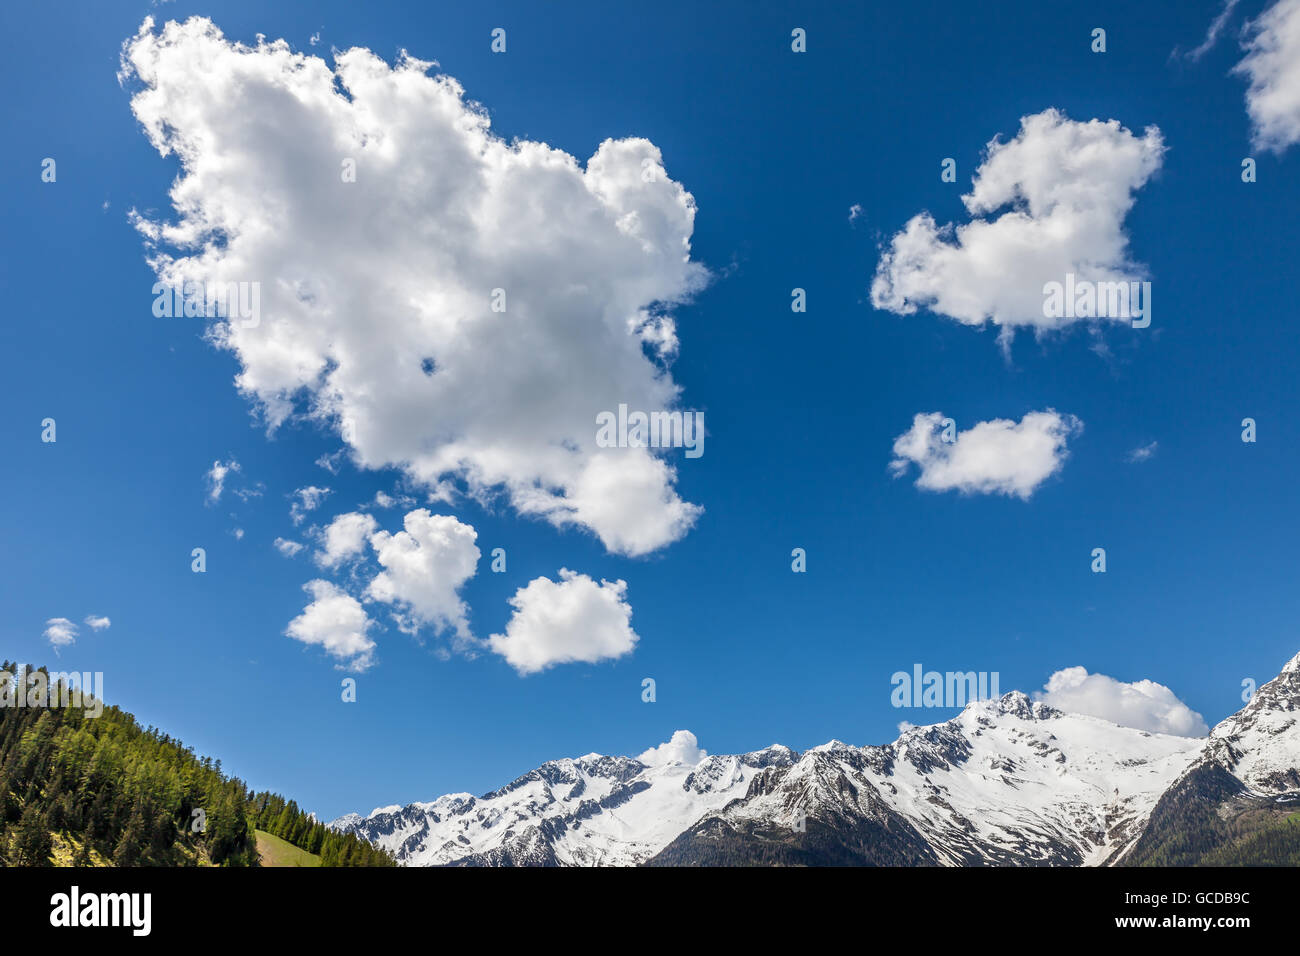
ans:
(85, 790)
(1209, 819)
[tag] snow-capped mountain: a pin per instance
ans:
(588, 811)
(1259, 743)
(1007, 781)
(1236, 801)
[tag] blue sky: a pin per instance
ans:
(802, 409)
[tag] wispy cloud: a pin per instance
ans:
(1142, 453)
(216, 478)
(1211, 35)
(304, 500)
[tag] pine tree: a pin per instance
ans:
(131, 845)
(32, 841)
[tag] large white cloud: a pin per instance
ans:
(574, 619)
(376, 295)
(999, 456)
(1272, 65)
(1143, 704)
(337, 622)
(1066, 187)
(425, 567)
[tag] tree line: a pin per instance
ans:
(105, 791)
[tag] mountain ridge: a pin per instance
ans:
(1007, 781)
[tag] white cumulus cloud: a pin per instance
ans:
(574, 619)
(345, 538)
(1143, 704)
(682, 748)
(994, 457)
(425, 567)
(1272, 65)
(378, 294)
(335, 621)
(97, 622)
(1063, 188)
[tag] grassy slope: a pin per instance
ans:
(276, 852)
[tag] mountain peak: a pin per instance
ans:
(1292, 666)
(1016, 703)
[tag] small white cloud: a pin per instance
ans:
(905, 725)
(335, 621)
(994, 457)
(96, 623)
(217, 475)
(855, 212)
(60, 632)
(345, 538)
(1142, 704)
(305, 500)
(287, 548)
(575, 619)
(1272, 65)
(1065, 187)
(330, 462)
(1142, 453)
(681, 748)
(385, 500)
(238, 533)
(425, 567)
